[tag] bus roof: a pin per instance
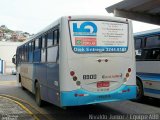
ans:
(148, 33)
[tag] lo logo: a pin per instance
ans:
(85, 27)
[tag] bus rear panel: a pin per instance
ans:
(100, 63)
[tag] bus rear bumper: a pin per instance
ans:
(83, 97)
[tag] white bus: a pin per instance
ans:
(147, 45)
(79, 60)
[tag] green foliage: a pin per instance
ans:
(8, 31)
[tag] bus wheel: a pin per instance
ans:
(139, 90)
(20, 80)
(38, 95)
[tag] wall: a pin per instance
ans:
(7, 51)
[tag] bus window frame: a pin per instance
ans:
(150, 50)
(54, 45)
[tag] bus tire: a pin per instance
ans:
(38, 95)
(20, 80)
(140, 92)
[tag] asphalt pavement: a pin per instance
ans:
(149, 109)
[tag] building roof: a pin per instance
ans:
(140, 10)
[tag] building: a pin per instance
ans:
(8, 50)
(1, 35)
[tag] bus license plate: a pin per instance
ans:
(103, 84)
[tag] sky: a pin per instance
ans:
(34, 15)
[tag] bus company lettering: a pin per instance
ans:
(94, 76)
(79, 49)
(85, 29)
(112, 76)
(83, 41)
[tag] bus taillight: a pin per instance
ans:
(129, 69)
(74, 78)
(127, 75)
(69, 17)
(78, 83)
(99, 60)
(72, 73)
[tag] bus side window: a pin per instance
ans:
(58, 36)
(158, 57)
(138, 43)
(36, 44)
(156, 54)
(37, 52)
(147, 54)
(23, 52)
(40, 42)
(30, 53)
(30, 47)
(33, 45)
(153, 41)
(27, 52)
(52, 54)
(43, 50)
(43, 41)
(43, 55)
(50, 39)
(17, 56)
(56, 41)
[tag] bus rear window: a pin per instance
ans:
(98, 36)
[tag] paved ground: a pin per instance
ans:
(9, 109)
(7, 77)
(127, 108)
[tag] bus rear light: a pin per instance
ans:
(69, 17)
(80, 95)
(99, 60)
(72, 73)
(129, 70)
(78, 83)
(124, 91)
(127, 75)
(106, 60)
(74, 78)
(128, 90)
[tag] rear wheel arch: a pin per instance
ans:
(20, 81)
(19, 78)
(35, 82)
(38, 98)
(139, 79)
(140, 89)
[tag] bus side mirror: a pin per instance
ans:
(13, 60)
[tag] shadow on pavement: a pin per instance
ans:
(150, 101)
